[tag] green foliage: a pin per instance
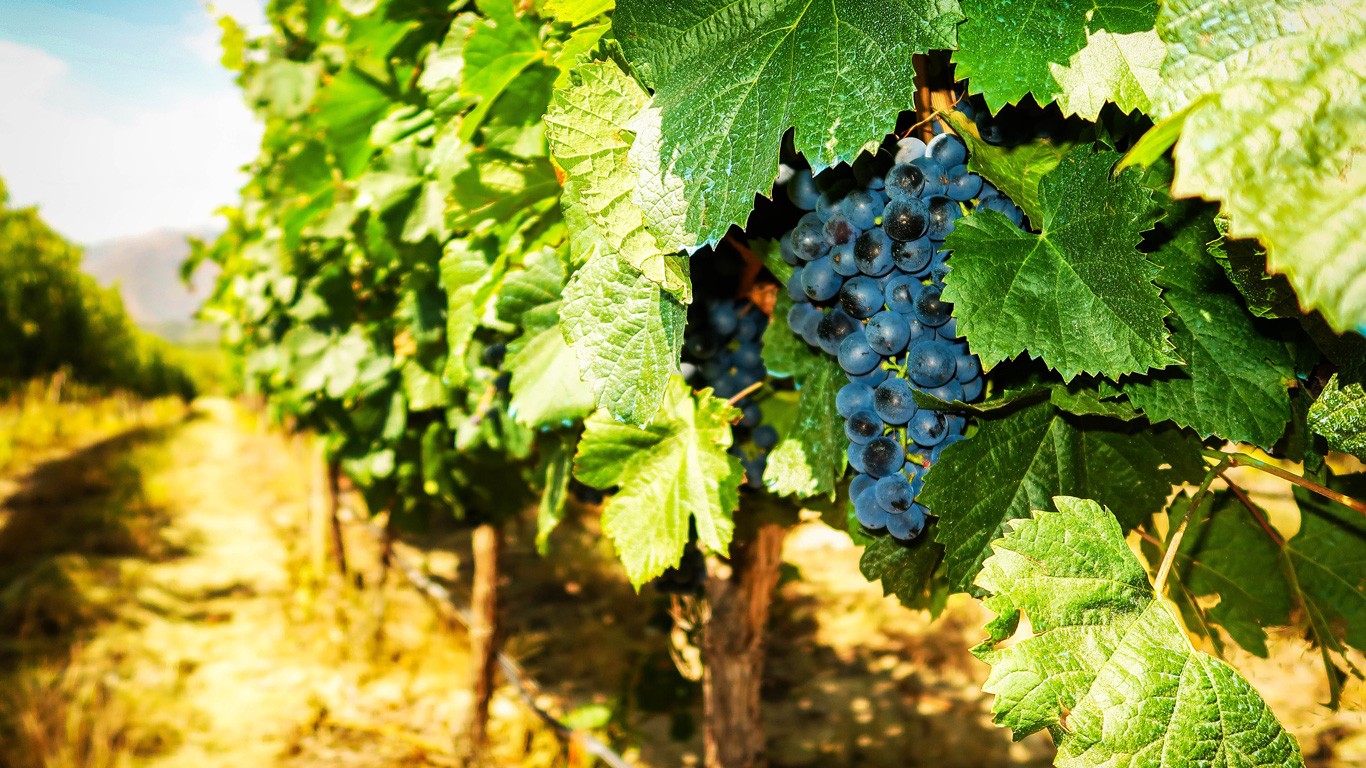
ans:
(1103, 648)
(1339, 414)
(1077, 295)
(730, 79)
(672, 472)
(1270, 95)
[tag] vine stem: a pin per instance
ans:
(1169, 556)
(742, 394)
(1243, 460)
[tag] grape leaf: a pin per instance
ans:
(556, 467)
(731, 78)
(499, 47)
(1106, 668)
(586, 127)
(906, 568)
(1328, 559)
(1244, 261)
(1272, 94)
(1227, 553)
(675, 470)
(1077, 295)
(1017, 170)
(470, 278)
(544, 387)
(1086, 401)
(810, 457)
(1339, 414)
(575, 12)
(1018, 462)
(1235, 383)
(626, 332)
(1080, 55)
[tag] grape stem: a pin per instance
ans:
(1169, 556)
(1243, 460)
(746, 392)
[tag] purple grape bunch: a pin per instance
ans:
(869, 273)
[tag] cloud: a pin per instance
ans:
(124, 170)
(205, 41)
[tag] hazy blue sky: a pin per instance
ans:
(117, 117)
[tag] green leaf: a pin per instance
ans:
(1277, 138)
(557, 463)
(1106, 668)
(673, 471)
(1244, 261)
(626, 332)
(498, 49)
(587, 129)
(810, 458)
(1226, 553)
(346, 109)
(906, 569)
(1016, 463)
(1080, 55)
(1017, 170)
(731, 78)
(1236, 382)
(1339, 414)
(470, 278)
(576, 12)
(1328, 559)
(1078, 295)
(1085, 401)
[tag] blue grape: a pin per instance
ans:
(963, 184)
(855, 455)
(859, 484)
(904, 219)
(810, 330)
(862, 209)
(750, 415)
(943, 214)
(900, 293)
(748, 356)
(882, 456)
(869, 513)
(852, 398)
(838, 230)
(842, 259)
(908, 524)
(861, 297)
(931, 363)
(930, 309)
(887, 332)
(764, 436)
(908, 149)
(973, 389)
(913, 256)
(1002, 206)
(856, 356)
(808, 239)
(904, 180)
(834, 327)
(787, 251)
(752, 325)
(871, 378)
(820, 282)
(873, 252)
(893, 401)
(794, 286)
(927, 427)
(895, 494)
(796, 316)
(863, 426)
(968, 367)
(802, 191)
(948, 331)
(947, 150)
(948, 392)
(936, 177)
(722, 318)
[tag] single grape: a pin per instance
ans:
(700, 345)
(852, 398)
(869, 513)
(968, 368)
(948, 331)
(862, 427)
(909, 524)
(883, 456)
(930, 309)
(948, 392)
(905, 218)
(887, 333)
(973, 389)
(838, 230)
(909, 149)
(820, 282)
(900, 293)
(861, 297)
(754, 471)
(834, 327)
(939, 267)
(893, 401)
(797, 315)
(808, 239)
(943, 214)
(861, 208)
(905, 179)
(931, 363)
(936, 177)
(859, 484)
(873, 252)
(856, 356)
(947, 150)
(828, 202)
(963, 184)
(752, 325)
(895, 494)
(927, 427)
(794, 286)
(764, 436)
(1002, 206)
(811, 328)
(855, 455)
(913, 256)
(750, 415)
(802, 191)
(722, 318)
(748, 356)
(871, 378)
(842, 259)
(788, 251)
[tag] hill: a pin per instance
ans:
(147, 270)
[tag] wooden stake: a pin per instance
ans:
(733, 650)
(333, 498)
(487, 544)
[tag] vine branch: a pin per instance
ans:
(742, 394)
(1243, 460)
(1169, 556)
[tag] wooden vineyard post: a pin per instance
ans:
(733, 648)
(487, 545)
(332, 494)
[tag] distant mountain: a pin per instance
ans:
(147, 271)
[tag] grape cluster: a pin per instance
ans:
(869, 272)
(722, 349)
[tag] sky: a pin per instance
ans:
(116, 117)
